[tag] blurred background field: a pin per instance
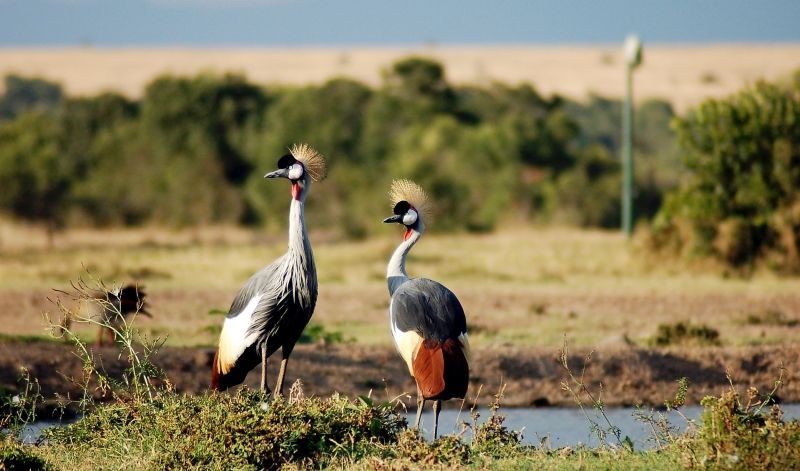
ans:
(522, 286)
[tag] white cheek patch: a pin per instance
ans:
(295, 172)
(410, 217)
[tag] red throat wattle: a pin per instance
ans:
(407, 234)
(296, 191)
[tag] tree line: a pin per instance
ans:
(193, 150)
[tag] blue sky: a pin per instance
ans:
(398, 22)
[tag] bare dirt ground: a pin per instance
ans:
(684, 75)
(532, 376)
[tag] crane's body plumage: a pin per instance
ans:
(272, 308)
(427, 321)
(429, 308)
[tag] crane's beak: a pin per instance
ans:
(281, 173)
(395, 218)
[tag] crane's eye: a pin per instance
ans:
(410, 217)
(295, 171)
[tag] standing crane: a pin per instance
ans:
(427, 321)
(274, 306)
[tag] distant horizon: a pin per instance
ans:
(486, 45)
(352, 23)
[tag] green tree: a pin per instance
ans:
(28, 94)
(741, 202)
(34, 174)
(196, 131)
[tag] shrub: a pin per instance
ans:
(685, 333)
(23, 94)
(15, 456)
(737, 436)
(740, 203)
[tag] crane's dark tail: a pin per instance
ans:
(236, 373)
(441, 369)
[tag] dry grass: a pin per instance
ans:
(677, 73)
(520, 286)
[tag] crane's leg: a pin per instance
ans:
(100, 335)
(264, 367)
(281, 373)
(437, 406)
(111, 337)
(420, 406)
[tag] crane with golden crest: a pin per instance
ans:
(274, 306)
(427, 321)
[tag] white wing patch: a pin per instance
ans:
(407, 343)
(232, 340)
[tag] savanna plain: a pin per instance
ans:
(526, 290)
(558, 316)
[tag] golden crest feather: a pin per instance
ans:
(313, 161)
(406, 190)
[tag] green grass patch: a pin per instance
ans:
(14, 455)
(316, 333)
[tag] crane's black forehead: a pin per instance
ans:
(286, 161)
(401, 207)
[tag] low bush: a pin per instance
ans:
(685, 333)
(15, 456)
(748, 436)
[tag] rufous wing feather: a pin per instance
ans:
(429, 369)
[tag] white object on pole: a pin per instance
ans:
(633, 50)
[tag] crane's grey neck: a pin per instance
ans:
(298, 237)
(299, 258)
(396, 272)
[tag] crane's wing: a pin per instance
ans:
(428, 308)
(251, 307)
(430, 332)
(423, 309)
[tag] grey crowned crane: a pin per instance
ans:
(274, 306)
(427, 321)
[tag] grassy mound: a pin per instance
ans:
(247, 431)
(241, 431)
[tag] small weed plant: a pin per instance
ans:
(749, 434)
(141, 379)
